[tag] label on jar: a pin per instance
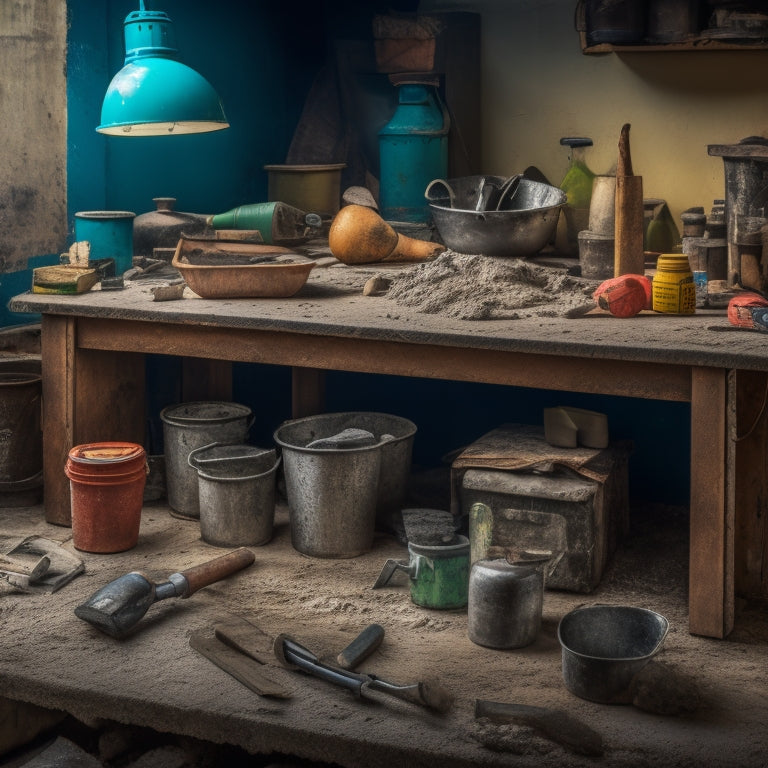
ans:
(674, 293)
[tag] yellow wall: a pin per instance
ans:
(538, 86)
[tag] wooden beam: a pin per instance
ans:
(522, 369)
(711, 595)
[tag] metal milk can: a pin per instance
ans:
(413, 150)
(505, 602)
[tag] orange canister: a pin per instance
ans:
(106, 483)
(674, 291)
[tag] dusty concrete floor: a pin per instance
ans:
(154, 679)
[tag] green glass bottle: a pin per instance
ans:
(577, 185)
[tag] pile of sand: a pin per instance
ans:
(487, 288)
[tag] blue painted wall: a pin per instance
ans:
(248, 53)
(262, 58)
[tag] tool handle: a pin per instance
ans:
(289, 652)
(624, 163)
(214, 570)
(361, 647)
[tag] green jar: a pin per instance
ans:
(674, 291)
(577, 185)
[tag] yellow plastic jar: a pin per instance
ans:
(674, 291)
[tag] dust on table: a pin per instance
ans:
(471, 287)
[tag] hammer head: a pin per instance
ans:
(118, 606)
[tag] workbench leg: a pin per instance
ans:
(308, 392)
(748, 405)
(88, 396)
(711, 591)
(57, 341)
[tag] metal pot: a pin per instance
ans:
(521, 228)
(163, 227)
(605, 646)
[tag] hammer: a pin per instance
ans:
(118, 606)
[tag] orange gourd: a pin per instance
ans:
(358, 235)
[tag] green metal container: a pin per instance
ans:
(413, 151)
(439, 574)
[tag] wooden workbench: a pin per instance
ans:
(94, 344)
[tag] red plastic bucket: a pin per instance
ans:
(106, 483)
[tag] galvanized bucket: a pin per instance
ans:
(236, 486)
(334, 493)
(189, 426)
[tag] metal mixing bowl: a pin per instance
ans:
(605, 646)
(520, 230)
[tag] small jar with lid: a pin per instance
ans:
(674, 291)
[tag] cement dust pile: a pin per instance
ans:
(485, 288)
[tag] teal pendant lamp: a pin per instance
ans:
(154, 94)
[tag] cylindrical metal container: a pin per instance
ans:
(21, 437)
(505, 603)
(440, 574)
(236, 484)
(331, 490)
(192, 425)
(413, 151)
(110, 234)
(312, 188)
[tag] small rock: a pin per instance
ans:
(359, 196)
(168, 292)
(376, 286)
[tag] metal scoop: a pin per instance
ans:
(117, 607)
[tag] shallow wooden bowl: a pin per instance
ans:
(211, 280)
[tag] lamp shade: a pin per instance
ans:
(154, 94)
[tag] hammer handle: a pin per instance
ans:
(214, 570)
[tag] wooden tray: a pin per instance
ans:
(233, 276)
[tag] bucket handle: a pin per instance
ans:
(205, 447)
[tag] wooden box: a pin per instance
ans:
(573, 502)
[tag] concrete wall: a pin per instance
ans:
(538, 86)
(33, 105)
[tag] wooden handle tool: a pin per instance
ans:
(629, 257)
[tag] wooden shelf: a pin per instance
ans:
(694, 44)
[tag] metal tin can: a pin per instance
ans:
(505, 603)
(674, 291)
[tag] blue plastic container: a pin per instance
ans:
(413, 151)
(110, 234)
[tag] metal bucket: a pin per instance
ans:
(605, 646)
(334, 493)
(236, 485)
(193, 425)
(21, 438)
